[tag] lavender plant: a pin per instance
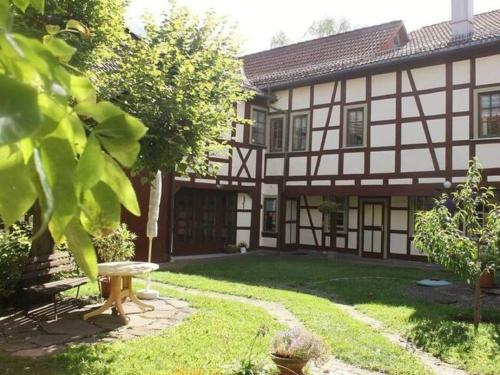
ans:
(297, 343)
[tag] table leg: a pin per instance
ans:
(114, 295)
(134, 298)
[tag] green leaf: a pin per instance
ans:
(17, 192)
(21, 4)
(4, 13)
(91, 164)
(79, 135)
(80, 245)
(100, 213)
(123, 150)
(82, 89)
(38, 5)
(100, 111)
(19, 113)
(59, 48)
(118, 181)
(122, 126)
(78, 26)
(52, 29)
(59, 165)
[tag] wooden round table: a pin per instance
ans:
(120, 274)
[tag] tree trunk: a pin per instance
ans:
(43, 244)
(477, 303)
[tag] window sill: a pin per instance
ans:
(353, 147)
(269, 234)
(479, 139)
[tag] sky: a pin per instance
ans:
(259, 20)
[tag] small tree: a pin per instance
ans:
(457, 235)
(328, 26)
(279, 39)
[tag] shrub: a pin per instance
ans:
(15, 246)
(231, 249)
(117, 246)
(297, 343)
(242, 244)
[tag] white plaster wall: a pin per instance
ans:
(301, 97)
(240, 109)
(437, 129)
(270, 189)
(223, 169)
(243, 235)
(382, 162)
(409, 107)
(353, 219)
(353, 202)
(434, 104)
(307, 237)
(251, 164)
(244, 201)
(354, 163)
(384, 84)
(461, 72)
(319, 117)
(340, 242)
(323, 93)
(384, 109)
(244, 219)
(417, 160)
(236, 162)
(352, 240)
(405, 82)
(489, 155)
(275, 167)
(460, 100)
(461, 127)
(398, 243)
(429, 77)
(332, 140)
(487, 70)
(329, 165)
(335, 119)
(268, 242)
(460, 157)
(298, 166)
(316, 139)
(383, 135)
(282, 100)
(356, 90)
(240, 129)
(399, 220)
(412, 133)
(441, 157)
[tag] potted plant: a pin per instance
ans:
(327, 207)
(118, 246)
(231, 248)
(243, 246)
(487, 279)
(293, 348)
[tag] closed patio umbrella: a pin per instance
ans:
(152, 231)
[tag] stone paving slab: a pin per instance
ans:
(22, 336)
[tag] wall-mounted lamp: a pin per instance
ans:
(447, 185)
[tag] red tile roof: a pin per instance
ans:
(359, 48)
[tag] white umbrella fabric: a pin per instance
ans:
(152, 231)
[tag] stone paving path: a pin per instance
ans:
(21, 336)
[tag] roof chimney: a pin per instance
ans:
(462, 18)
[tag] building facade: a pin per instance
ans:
(377, 119)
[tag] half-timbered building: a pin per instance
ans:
(378, 119)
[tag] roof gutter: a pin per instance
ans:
(382, 64)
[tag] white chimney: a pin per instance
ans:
(462, 18)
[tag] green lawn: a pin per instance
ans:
(378, 291)
(220, 330)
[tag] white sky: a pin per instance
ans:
(258, 20)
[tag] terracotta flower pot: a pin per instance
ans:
(105, 287)
(487, 280)
(289, 366)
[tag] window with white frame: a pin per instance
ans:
(340, 216)
(299, 132)
(489, 114)
(259, 117)
(355, 127)
(276, 131)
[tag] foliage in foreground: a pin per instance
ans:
(462, 232)
(59, 147)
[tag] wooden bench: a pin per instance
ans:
(39, 270)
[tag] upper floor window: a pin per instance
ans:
(489, 114)
(270, 215)
(259, 127)
(276, 130)
(355, 127)
(299, 132)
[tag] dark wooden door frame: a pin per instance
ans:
(385, 202)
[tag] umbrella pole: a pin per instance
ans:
(148, 293)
